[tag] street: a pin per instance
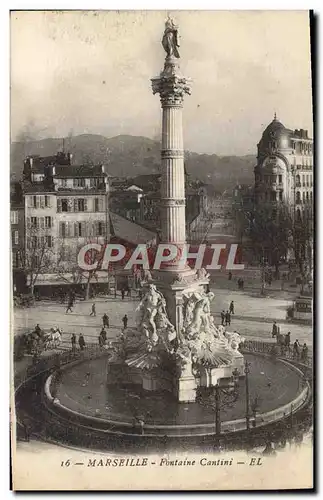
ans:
(253, 316)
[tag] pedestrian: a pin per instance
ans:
(231, 307)
(106, 321)
(93, 310)
(287, 341)
(73, 341)
(304, 354)
(274, 330)
(122, 293)
(140, 294)
(125, 321)
(100, 340)
(230, 276)
(222, 317)
(81, 342)
(227, 318)
(103, 334)
(128, 292)
(69, 305)
(296, 350)
(26, 431)
(37, 330)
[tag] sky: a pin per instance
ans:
(89, 72)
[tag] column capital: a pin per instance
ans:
(171, 85)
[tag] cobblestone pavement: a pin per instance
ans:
(253, 316)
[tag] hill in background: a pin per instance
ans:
(129, 156)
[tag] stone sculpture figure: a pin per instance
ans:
(170, 40)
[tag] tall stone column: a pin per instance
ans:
(172, 87)
(173, 280)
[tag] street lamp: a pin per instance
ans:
(222, 395)
(247, 371)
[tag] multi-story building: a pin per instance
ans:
(66, 206)
(17, 227)
(284, 170)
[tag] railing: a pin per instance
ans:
(275, 350)
(58, 359)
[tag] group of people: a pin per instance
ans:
(81, 342)
(103, 333)
(299, 353)
(226, 315)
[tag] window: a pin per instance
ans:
(14, 217)
(15, 238)
(79, 229)
(34, 241)
(34, 222)
(46, 201)
(280, 196)
(49, 241)
(35, 200)
(280, 179)
(273, 196)
(48, 222)
(35, 261)
(64, 205)
(81, 205)
(62, 229)
(15, 259)
(79, 182)
(100, 229)
(96, 204)
(298, 197)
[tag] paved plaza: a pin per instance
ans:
(253, 316)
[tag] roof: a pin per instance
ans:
(38, 187)
(78, 171)
(276, 128)
(129, 231)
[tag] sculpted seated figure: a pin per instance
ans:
(206, 342)
(152, 319)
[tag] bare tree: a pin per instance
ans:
(38, 256)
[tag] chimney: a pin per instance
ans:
(103, 169)
(30, 162)
(53, 170)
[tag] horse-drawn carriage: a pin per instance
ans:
(37, 341)
(23, 300)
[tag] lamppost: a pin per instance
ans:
(222, 395)
(246, 372)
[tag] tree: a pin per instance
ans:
(38, 255)
(268, 227)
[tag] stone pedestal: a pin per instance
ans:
(225, 372)
(186, 389)
(173, 285)
(149, 382)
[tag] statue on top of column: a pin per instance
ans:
(170, 39)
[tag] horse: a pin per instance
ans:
(53, 339)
